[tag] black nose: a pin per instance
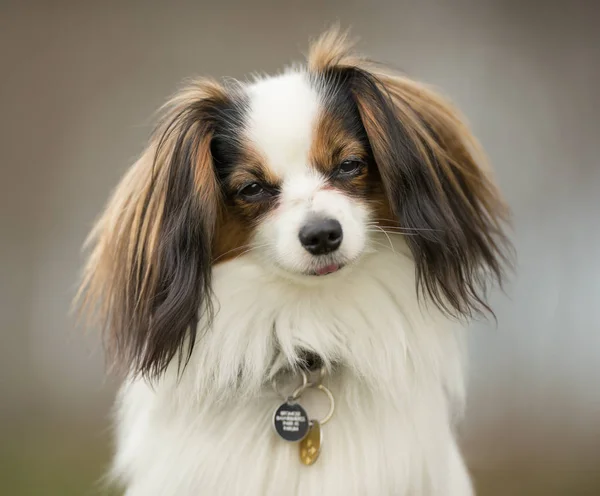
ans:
(320, 236)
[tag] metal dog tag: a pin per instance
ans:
(310, 446)
(291, 422)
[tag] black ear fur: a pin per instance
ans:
(435, 189)
(173, 284)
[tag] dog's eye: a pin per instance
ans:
(252, 191)
(350, 167)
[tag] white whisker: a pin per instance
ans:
(403, 228)
(243, 247)
(252, 248)
(389, 239)
(389, 232)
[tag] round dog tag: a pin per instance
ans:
(291, 422)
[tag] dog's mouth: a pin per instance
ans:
(318, 267)
(327, 269)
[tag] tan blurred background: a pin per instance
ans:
(78, 86)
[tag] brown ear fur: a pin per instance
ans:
(148, 274)
(435, 177)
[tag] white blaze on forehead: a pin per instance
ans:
(281, 121)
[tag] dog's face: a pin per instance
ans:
(296, 171)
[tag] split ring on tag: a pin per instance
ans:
(306, 385)
(327, 417)
(320, 376)
(297, 392)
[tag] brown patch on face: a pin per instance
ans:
(333, 143)
(251, 165)
(231, 238)
(239, 216)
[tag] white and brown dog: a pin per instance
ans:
(335, 216)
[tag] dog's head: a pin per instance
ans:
(298, 170)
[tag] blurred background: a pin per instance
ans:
(79, 84)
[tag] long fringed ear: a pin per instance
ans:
(434, 175)
(149, 271)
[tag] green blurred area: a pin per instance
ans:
(71, 461)
(57, 461)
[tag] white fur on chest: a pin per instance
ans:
(398, 385)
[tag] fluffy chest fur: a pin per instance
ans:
(397, 381)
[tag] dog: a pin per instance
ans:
(327, 230)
